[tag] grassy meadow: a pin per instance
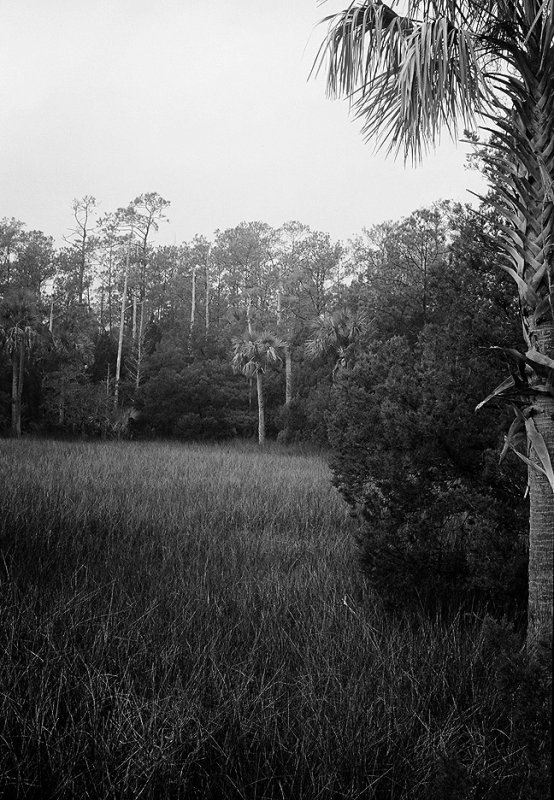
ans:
(185, 621)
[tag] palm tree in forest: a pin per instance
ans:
(441, 64)
(18, 320)
(252, 355)
(335, 334)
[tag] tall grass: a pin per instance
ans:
(181, 622)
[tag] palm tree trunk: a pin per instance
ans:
(18, 371)
(261, 407)
(16, 415)
(541, 512)
(530, 233)
(288, 375)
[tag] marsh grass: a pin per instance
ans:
(184, 622)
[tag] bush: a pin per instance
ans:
(196, 402)
(440, 521)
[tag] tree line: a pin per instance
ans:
(245, 334)
(89, 326)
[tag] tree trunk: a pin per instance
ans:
(530, 233)
(134, 334)
(249, 316)
(279, 307)
(207, 298)
(110, 291)
(288, 375)
(16, 409)
(541, 511)
(82, 265)
(139, 344)
(192, 305)
(102, 307)
(261, 407)
(122, 323)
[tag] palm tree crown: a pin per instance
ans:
(253, 353)
(335, 334)
(439, 64)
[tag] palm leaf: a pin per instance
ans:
(406, 78)
(500, 390)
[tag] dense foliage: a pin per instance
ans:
(442, 522)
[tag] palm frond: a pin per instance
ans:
(252, 353)
(407, 79)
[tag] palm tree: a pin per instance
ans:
(18, 321)
(252, 354)
(335, 334)
(445, 63)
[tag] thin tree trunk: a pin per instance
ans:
(139, 344)
(16, 419)
(19, 375)
(261, 407)
(207, 298)
(250, 333)
(122, 323)
(288, 375)
(192, 305)
(20, 383)
(249, 316)
(134, 318)
(120, 342)
(279, 307)
(51, 319)
(110, 319)
(82, 265)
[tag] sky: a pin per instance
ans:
(208, 104)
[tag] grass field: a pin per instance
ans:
(184, 621)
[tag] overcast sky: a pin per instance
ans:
(206, 103)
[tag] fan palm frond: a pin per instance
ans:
(405, 78)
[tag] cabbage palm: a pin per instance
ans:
(18, 322)
(335, 334)
(444, 64)
(252, 354)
